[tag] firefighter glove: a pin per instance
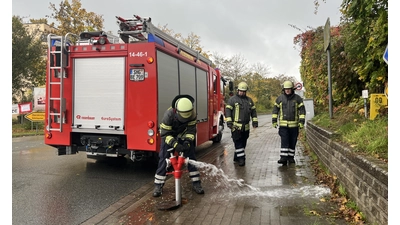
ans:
(275, 125)
(179, 148)
(255, 124)
(229, 124)
(301, 126)
(186, 146)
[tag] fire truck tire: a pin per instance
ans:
(155, 159)
(218, 138)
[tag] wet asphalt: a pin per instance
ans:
(261, 192)
(48, 189)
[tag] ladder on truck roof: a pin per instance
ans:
(140, 28)
(58, 54)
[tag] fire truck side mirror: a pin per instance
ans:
(230, 86)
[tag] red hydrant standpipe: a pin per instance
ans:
(177, 163)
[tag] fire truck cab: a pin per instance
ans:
(107, 97)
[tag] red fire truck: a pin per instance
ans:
(107, 98)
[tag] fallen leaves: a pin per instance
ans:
(349, 214)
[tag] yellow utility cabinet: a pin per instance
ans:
(376, 102)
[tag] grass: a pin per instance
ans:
(364, 136)
(27, 128)
(342, 191)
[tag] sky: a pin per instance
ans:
(258, 30)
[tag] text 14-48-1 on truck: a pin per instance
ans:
(106, 97)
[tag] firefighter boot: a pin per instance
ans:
(291, 159)
(197, 187)
(157, 190)
(242, 162)
(283, 160)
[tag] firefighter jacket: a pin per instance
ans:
(290, 109)
(239, 110)
(174, 128)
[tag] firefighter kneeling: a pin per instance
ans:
(178, 131)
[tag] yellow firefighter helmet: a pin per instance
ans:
(242, 86)
(184, 107)
(288, 85)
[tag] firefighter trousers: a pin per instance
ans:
(161, 173)
(240, 141)
(288, 140)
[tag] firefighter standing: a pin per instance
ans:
(290, 110)
(178, 131)
(239, 111)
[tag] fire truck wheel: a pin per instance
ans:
(218, 138)
(155, 159)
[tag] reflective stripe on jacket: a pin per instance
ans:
(290, 109)
(240, 110)
(172, 129)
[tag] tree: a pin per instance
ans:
(234, 67)
(314, 70)
(365, 29)
(169, 31)
(192, 40)
(28, 63)
(357, 46)
(317, 4)
(41, 20)
(261, 69)
(72, 18)
(258, 90)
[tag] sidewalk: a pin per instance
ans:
(267, 194)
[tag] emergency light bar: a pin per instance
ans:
(96, 37)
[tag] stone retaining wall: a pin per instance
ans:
(366, 183)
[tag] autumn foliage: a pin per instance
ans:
(356, 54)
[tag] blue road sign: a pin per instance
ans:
(385, 55)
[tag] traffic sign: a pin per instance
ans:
(327, 35)
(385, 55)
(298, 86)
(35, 116)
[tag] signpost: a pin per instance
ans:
(327, 35)
(35, 116)
(365, 96)
(327, 44)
